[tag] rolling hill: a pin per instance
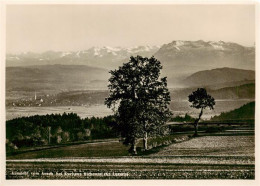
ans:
(245, 91)
(55, 78)
(224, 83)
(219, 76)
(247, 111)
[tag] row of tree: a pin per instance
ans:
(55, 128)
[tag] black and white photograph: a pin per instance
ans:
(124, 91)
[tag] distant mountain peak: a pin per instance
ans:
(206, 54)
(217, 45)
(105, 56)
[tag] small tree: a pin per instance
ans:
(139, 99)
(65, 136)
(200, 99)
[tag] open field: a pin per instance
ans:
(206, 157)
(212, 145)
(114, 148)
(90, 149)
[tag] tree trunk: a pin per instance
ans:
(196, 124)
(133, 147)
(49, 135)
(145, 138)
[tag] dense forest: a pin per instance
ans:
(62, 129)
(247, 111)
(55, 129)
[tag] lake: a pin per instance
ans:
(177, 107)
(183, 107)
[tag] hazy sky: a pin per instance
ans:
(40, 28)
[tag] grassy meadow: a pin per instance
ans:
(209, 156)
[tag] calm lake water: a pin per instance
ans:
(82, 111)
(177, 107)
(183, 107)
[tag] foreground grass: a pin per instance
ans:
(206, 157)
(97, 149)
(241, 144)
(127, 170)
(222, 156)
(157, 167)
(100, 149)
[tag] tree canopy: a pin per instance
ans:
(57, 128)
(200, 99)
(139, 98)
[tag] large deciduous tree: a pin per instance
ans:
(139, 98)
(200, 99)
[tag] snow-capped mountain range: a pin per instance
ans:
(179, 58)
(183, 58)
(89, 69)
(96, 56)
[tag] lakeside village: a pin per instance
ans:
(46, 100)
(36, 100)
